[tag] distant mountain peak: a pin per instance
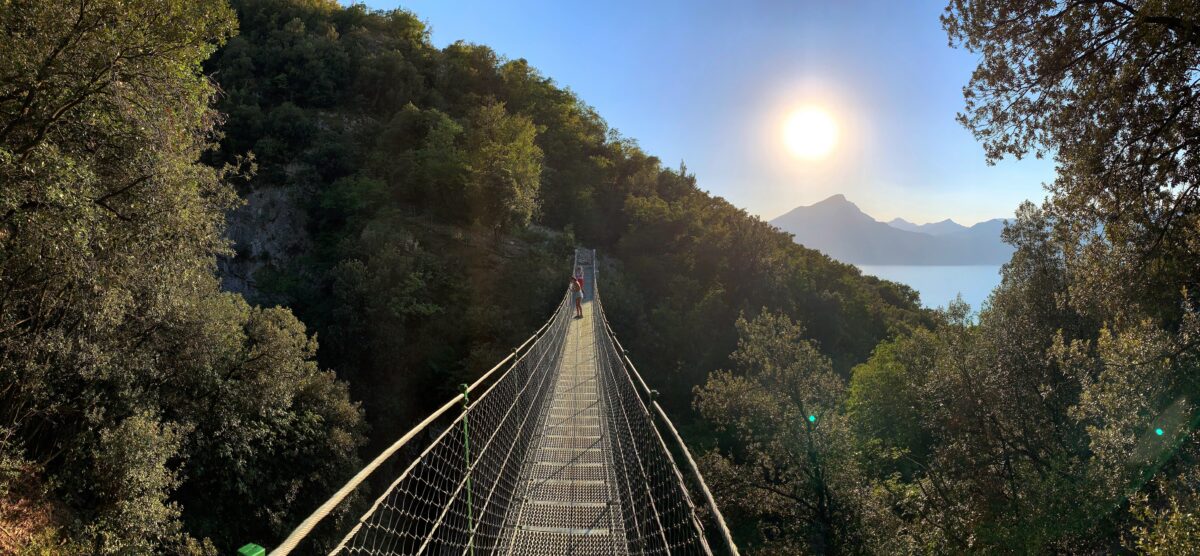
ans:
(944, 227)
(833, 205)
(841, 230)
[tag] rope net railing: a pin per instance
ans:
(558, 454)
(454, 498)
(678, 522)
(661, 518)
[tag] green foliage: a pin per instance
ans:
(1063, 418)
(1108, 88)
(261, 406)
(409, 296)
(503, 168)
(1170, 529)
(1028, 429)
(129, 482)
(432, 187)
(968, 424)
(418, 150)
(152, 400)
(171, 417)
(697, 261)
(789, 467)
(885, 405)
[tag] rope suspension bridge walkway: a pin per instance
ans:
(558, 449)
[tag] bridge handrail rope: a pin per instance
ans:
(305, 527)
(710, 501)
(641, 405)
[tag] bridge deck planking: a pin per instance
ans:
(568, 501)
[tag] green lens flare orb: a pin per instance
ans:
(1158, 432)
(812, 418)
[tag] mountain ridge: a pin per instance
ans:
(839, 228)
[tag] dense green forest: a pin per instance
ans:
(383, 140)
(389, 218)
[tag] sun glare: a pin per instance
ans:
(810, 133)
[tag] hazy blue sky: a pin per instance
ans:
(710, 83)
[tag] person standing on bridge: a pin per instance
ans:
(577, 296)
(579, 276)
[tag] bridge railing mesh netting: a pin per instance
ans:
(457, 495)
(661, 517)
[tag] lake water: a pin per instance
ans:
(938, 285)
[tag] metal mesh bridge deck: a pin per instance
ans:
(567, 499)
(559, 449)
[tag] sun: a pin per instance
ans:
(810, 133)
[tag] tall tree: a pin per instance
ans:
(1111, 89)
(789, 464)
(504, 167)
(148, 398)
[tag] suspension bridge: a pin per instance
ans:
(558, 449)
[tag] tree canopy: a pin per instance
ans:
(1062, 417)
(405, 183)
(169, 415)
(415, 208)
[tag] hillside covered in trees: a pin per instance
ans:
(415, 207)
(382, 139)
(389, 218)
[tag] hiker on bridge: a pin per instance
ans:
(577, 296)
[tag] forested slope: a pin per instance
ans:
(416, 207)
(142, 409)
(383, 140)
(411, 216)
(1062, 420)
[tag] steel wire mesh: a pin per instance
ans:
(560, 455)
(426, 511)
(660, 517)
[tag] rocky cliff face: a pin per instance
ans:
(270, 229)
